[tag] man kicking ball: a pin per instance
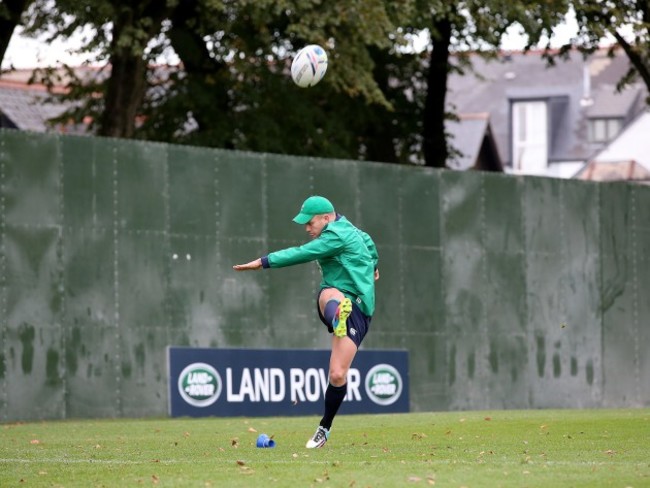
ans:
(347, 258)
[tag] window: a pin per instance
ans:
(529, 136)
(604, 130)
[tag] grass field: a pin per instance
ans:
(545, 448)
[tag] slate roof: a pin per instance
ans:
(521, 76)
(25, 109)
(23, 106)
(607, 103)
(471, 136)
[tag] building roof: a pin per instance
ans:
(573, 88)
(24, 106)
(608, 103)
(615, 171)
(633, 144)
(626, 158)
(470, 134)
(27, 105)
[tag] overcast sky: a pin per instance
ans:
(24, 52)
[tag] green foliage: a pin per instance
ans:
(233, 83)
(538, 448)
(627, 22)
(237, 93)
(233, 90)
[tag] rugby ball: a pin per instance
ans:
(309, 66)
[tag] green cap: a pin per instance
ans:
(314, 205)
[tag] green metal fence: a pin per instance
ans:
(508, 292)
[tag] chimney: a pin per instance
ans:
(586, 99)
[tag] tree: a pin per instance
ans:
(232, 85)
(598, 19)
(121, 32)
(627, 22)
(456, 28)
(434, 138)
(378, 101)
(234, 90)
(134, 25)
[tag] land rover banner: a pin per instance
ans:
(268, 382)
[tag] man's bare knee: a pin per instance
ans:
(338, 376)
(329, 294)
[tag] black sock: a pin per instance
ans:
(334, 396)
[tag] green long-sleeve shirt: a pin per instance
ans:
(347, 257)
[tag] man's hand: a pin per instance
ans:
(376, 274)
(253, 265)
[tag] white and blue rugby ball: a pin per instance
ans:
(309, 66)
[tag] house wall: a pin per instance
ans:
(508, 292)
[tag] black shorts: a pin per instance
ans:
(358, 323)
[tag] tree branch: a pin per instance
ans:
(635, 58)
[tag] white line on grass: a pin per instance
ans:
(84, 461)
(315, 461)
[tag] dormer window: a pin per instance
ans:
(604, 129)
(529, 136)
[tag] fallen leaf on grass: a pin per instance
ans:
(610, 452)
(250, 429)
(414, 479)
(234, 442)
(326, 477)
(240, 463)
(34, 441)
(154, 479)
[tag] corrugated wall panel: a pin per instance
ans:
(641, 316)
(504, 292)
(32, 330)
(621, 353)
(508, 292)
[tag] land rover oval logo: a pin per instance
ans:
(199, 384)
(383, 384)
